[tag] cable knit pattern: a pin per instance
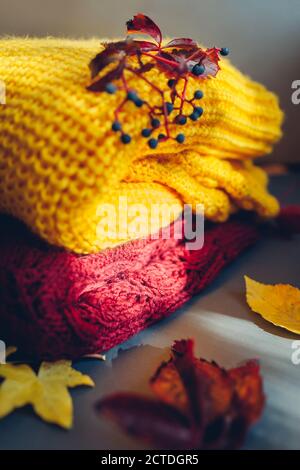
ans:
(56, 304)
(59, 159)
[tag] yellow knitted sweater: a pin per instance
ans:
(60, 161)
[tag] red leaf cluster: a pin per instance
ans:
(197, 404)
(179, 55)
(176, 58)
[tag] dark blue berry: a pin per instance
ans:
(198, 70)
(132, 96)
(146, 132)
(155, 123)
(152, 143)
(198, 94)
(171, 82)
(198, 110)
(161, 136)
(194, 116)
(181, 120)
(110, 88)
(169, 107)
(180, 138)
(224, 51)
(138, 102)
(125, 138)
(116, 126)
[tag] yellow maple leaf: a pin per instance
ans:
(47, 391)
(278, 304)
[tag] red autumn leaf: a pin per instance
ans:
(198, 404)
(149, 419)
(216, 378)
(248, 389)
(181, 42)
(171, 64)
(168, 387)
(112, 52)
(142, 24)
(115, 52)
(176, 62)
(100, 83)
(146, 46)
(182, 61)
(211, 62)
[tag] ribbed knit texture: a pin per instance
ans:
(56, 304)
(59, 159)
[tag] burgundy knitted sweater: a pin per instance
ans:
(57, 304)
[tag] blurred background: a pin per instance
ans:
(263, 36)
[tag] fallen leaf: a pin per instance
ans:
(46, 391)
(278, 304)
(197, 404)
(145, 418)
(248, 388)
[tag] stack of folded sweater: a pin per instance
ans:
(76, 292)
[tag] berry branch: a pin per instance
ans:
(179, 60)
